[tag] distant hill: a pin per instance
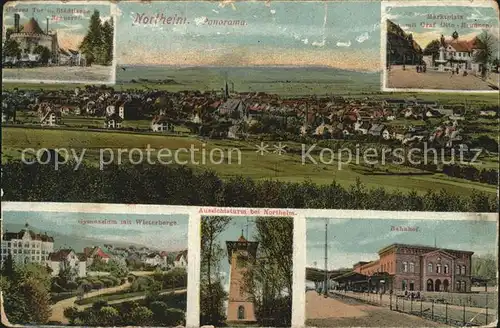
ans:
(401, 47)
(74, 242)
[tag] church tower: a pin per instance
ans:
(241, 254)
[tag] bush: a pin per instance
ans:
(123, 281)
(107, 282)
(131, 278)
(175, 317)
(98, 285)
(56, 288)
(71, 285)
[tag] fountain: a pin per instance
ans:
(441, 61)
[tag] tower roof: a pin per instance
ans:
(32, 27)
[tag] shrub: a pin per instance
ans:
(97, 285)
(71, 285)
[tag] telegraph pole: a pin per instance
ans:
(326, 258)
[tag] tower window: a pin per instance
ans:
(241, 312)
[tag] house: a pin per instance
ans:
(393, 103)
(433, 113)
(181, 260)
(113, 121)
(154, 259)
(162, 124)
(379, 130)
(76, 58)
(234, 108)
(361, 127)
(49, 116)
(21, 244)
(488, 113)
(92, 253)
(60, 260)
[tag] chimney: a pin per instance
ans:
(16, 23)
(47, 31)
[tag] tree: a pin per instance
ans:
(97, 45)
(11, 49)
(71, 313)
(432, 49)
(487, 47)
(269, 279)
(44, 53)
(37, 300)
(212, 300)
(107, 37)
(484, 267)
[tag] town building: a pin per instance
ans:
(420, 268)
(63, 258)
(31, 35)
(96, 252)
(181, 260)
(240, 308)
(26, 246)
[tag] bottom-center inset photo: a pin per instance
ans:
(246, 271)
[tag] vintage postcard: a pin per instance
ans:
(58, 42)
(246, 275)
(253, 104)
(446, 45)
(88, 268)
(402, 271)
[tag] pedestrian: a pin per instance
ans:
(425, 68)
(457, 70)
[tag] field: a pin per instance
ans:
(229, 158)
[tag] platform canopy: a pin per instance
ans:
(351, 277)
(314, 274)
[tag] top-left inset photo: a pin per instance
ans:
(58, 42)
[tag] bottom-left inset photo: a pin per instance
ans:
(94, 269)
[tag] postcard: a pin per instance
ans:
(254, 104)
(58, 42)
(412, 272)
(432, 45)
(84, 268)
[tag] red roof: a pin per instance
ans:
(242, 239)
(101, 254)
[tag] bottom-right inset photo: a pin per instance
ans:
(401, 273)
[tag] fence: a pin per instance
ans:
(455, 315)
(438, 311)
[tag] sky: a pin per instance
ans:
(336, 34)
(354, 240)
(161, 237)
(404, 16)
(70, 32)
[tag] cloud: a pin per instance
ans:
(215, 11)
(272, 11)
(319, 44)
(363, 37)
(200, 20)
(305, 41)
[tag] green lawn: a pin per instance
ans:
(247, 162)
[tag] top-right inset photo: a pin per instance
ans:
(440, 46)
